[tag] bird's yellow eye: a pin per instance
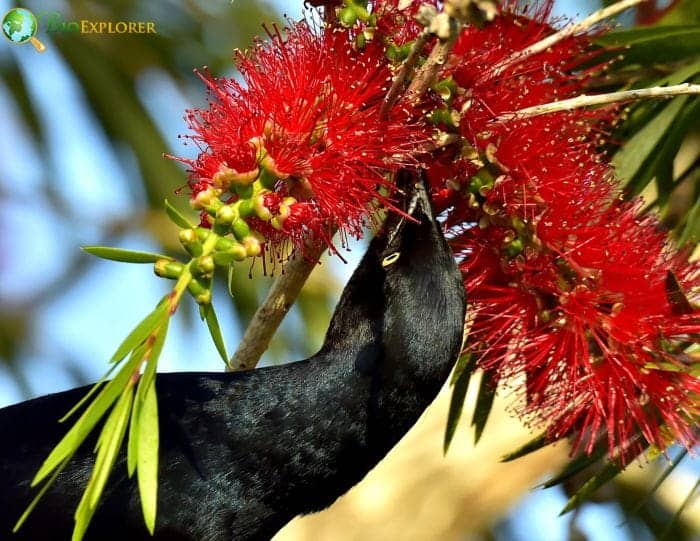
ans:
(391, 259)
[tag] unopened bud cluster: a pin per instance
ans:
(229, 235)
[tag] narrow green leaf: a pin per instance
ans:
(679, 511)
(535, 444)
(112, 437)
(484, 402)
(82, 427)
(664, 475)
(144, 383)
(681, 75)
(113, 440)
(465, 363)
(177, 217)
(125, 256)
(609, 470)
(209, 315)
(40, 495)
(153, 355)
(148, 457)
(667, 148)
(98, 384)
(691, 229)
(664, 178)
(683, 12)
(460, 381)
(651, 45)
(141, 332)
(132, 445)
(629, 160)
(640, 34)
(578, 464)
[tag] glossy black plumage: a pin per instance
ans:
(243, 453)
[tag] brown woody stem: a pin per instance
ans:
(267, 318)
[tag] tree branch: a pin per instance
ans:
(403, 74)
(425, 76)
(568, 31)
(271, 312)
(602, 99)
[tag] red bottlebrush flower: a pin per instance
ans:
(399, 26)
(566, 285)
(585, 316)
(294, 221)
(304, 122)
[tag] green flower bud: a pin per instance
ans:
(245, 192)
(168, 269)
(261, 210)
(393, 53)
(200, 290)
(399, 53)
(229, 250)
(226, 215)
(347, 17)
(207, 199)
(223, 244)
(446, 88)
(267, 179)
(240, 229)
(513, 248)
(445, 116)
(236, 252)
(214, 207)
(481, 183)
(203, 233)
(202, 266)
(253, 246)
(190, 242)
(246, 207)
(188, 236)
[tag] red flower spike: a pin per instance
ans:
(567, 286)
(304, 121)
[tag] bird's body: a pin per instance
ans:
(243, 453)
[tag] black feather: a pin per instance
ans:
(243, 453)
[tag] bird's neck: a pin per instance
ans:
(422, 331)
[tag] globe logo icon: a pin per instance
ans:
(19, 25)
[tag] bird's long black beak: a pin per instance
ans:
(413, 205)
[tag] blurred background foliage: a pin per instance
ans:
(83, 132)
(88, 123)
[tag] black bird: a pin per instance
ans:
(243, 453)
